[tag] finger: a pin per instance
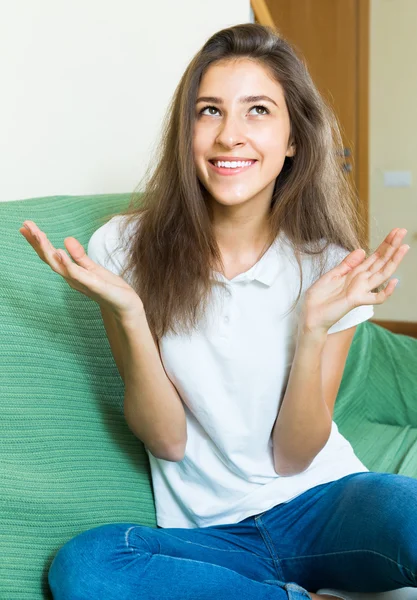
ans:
(380, 297)
(375, 260)
(48, 253)
(42, 246)
(389, 251)
(79, 255)
(388, 268)
(350, 262)
(390, 238)
(384, 251)
(32, 228)
(67, 263)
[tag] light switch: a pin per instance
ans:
(397, 178)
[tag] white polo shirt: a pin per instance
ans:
(231, 375)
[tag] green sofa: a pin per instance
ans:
(68, 461)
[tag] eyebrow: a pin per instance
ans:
(242, 100)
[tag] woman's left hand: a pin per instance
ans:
(349, 285)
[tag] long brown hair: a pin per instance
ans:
(173, 249)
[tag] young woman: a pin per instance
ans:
(230, 294)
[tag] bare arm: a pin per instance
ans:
(304, 421)
(152, 406)
(299, 438)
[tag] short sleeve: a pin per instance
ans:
(352, 318)
(104, 246)
(357, 315)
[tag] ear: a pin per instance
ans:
(291, 150)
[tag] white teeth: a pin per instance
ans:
(232, 164)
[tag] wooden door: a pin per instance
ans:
(332, 36)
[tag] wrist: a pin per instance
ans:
(131, 319)
(311, 334)
(309, 348)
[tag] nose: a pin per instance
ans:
(231, 132)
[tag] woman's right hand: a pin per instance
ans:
(84, 275)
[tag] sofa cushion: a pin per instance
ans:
(376, 407)
(68, 461)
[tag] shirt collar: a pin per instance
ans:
(267, 268)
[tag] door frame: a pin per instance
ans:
(362, 134)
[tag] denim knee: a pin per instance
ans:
(81, 566)
(391, 503)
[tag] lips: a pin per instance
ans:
(231, 158)
(227, 171)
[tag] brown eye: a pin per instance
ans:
(205, 108)
(261, 107)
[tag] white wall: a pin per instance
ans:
(85, 85)
(393, 141)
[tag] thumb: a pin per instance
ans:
(77, 252)
(351, 261)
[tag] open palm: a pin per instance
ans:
(350, 283)
(83, 274)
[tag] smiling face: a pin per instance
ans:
(228, 128)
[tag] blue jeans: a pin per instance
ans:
(358, 533)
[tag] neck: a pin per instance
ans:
(238, 232)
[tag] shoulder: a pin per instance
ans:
(326, 257)
(320, 256)
(117, 228)
(109, 244)
(104, 239)
(334, 254)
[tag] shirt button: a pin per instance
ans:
(226, 319)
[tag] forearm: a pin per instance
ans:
(152, 406)
(304, 422)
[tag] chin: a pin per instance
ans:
(231, 199)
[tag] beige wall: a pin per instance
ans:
(393, 140)
(85, 85)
